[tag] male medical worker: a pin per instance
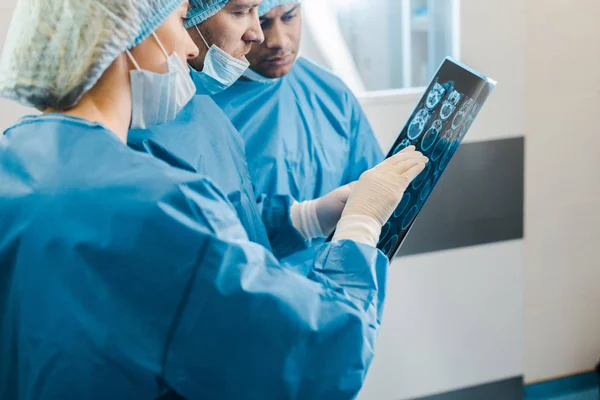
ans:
(125, 278)
(203, 139)
(304, 130)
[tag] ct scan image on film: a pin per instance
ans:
(436, 128)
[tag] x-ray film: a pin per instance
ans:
(437, 126)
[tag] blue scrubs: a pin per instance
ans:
(305, 134)
(124, 278)
(202, 139)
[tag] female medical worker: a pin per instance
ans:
(124, 278)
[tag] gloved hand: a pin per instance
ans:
(377, 194)
(318, 218)
(330, 207)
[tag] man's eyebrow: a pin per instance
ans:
(240, 6)
(292, 10)
(286, 14)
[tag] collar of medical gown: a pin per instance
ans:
(200, 88)
(256, 77)
(124, 278)
(305, 134)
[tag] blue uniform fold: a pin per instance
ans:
(305, 134)
(123, 277)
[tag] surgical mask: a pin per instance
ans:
(220, 69)
(158, 98)
(256, 77)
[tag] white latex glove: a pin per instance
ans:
(377, 194)
(318, 218)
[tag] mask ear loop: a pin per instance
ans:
(135, 64)
(160, 45)
(163, 50)
(200, 33)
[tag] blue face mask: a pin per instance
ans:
(220, 69)
(158, 98)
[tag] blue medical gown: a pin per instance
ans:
(305, 134)
(202, 139)
(125, 278)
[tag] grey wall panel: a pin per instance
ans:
(509, 389)
(478, 200)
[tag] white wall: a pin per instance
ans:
(489, 45)
(562, 296)
(452, 319)
(455, 318)
(557, 61)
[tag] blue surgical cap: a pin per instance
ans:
(56, 50)
(201, 10)
(268, 5)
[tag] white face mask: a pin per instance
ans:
(220, 69)
(158, 98)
